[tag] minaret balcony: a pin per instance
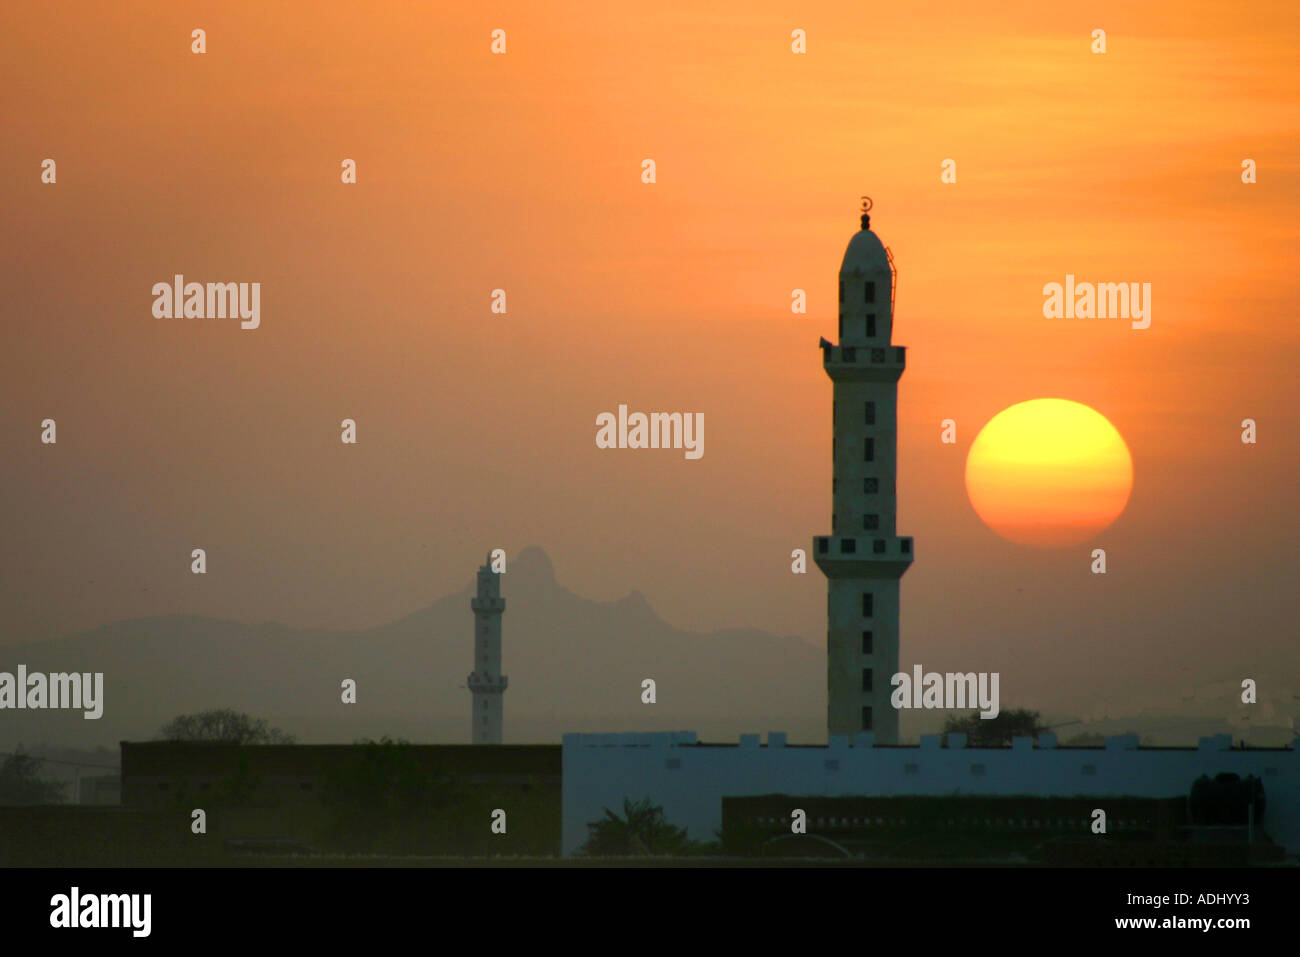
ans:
(847, 556)
(866, 363)
(488, 604)
(480, 683)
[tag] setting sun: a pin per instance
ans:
(1048, 472)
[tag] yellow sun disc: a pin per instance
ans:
(1048, 473)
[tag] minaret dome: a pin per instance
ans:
(865, 252)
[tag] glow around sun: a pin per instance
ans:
(1049, 473)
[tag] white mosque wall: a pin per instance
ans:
(689, 780)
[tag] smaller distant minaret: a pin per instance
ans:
(486, 683)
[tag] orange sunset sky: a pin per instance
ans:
(522, 172)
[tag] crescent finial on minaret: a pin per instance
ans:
(866, 208)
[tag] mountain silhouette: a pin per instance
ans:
(574, 664)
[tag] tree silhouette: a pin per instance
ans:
(995, 732)
(223, 725)
(20, 784)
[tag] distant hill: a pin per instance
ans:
(574, 664)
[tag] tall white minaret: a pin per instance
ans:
(486, 683)
(863, 558)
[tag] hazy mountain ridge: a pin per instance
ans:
(575, 664)
(564, 654)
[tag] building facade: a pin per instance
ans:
(154, 773)
(689, 780)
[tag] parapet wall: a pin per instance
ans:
(690, 779)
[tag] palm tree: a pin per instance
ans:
(641, 830)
